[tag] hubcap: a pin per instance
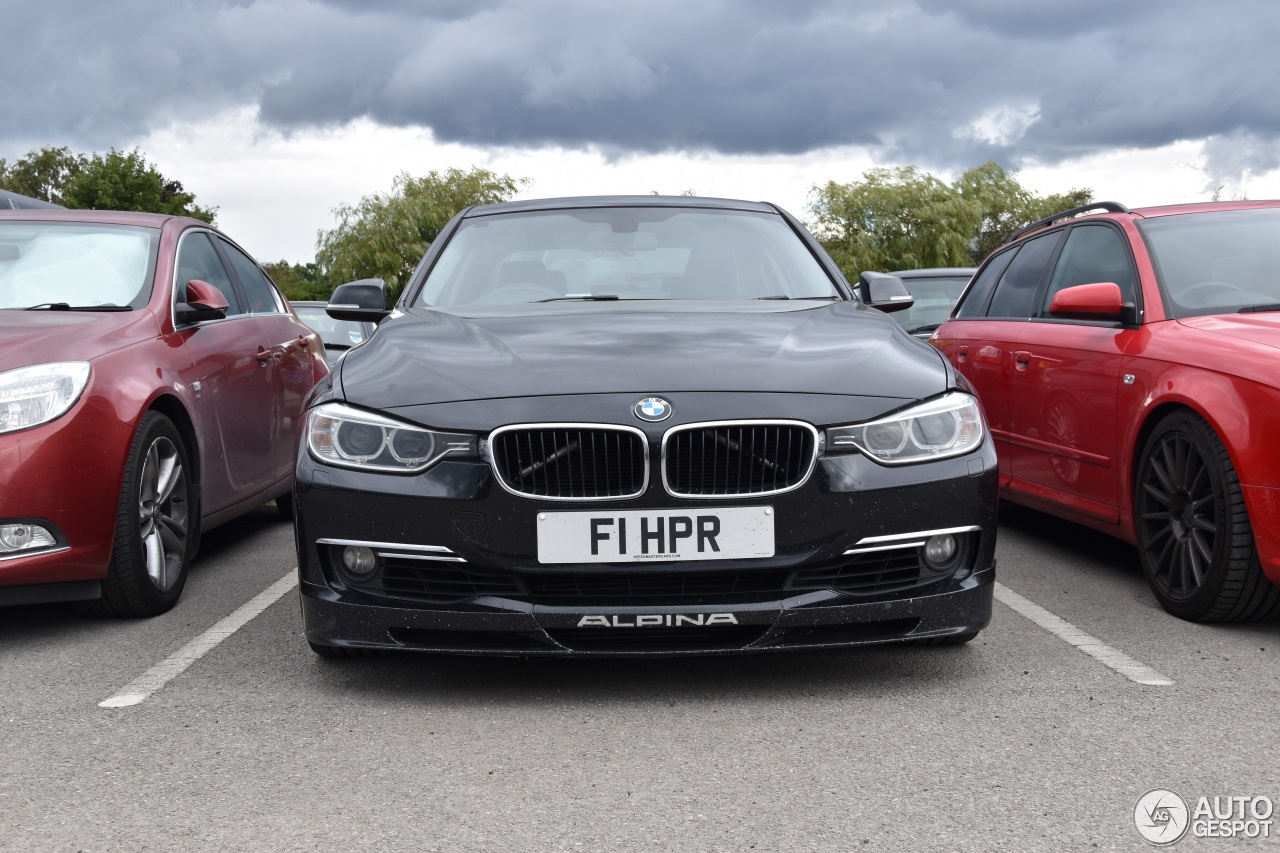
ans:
(1178, 516)
(162, 513)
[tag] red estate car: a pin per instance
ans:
(151, 383)
(1127, 361)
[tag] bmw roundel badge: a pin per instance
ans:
(652, 409)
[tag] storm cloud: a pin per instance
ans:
(936, 83)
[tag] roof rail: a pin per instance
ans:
(1108, 206)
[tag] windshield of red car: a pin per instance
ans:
(1218, 262)
(624, 253)
(75, 265)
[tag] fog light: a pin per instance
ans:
(359, 561)
(938, 551)
(24, 537)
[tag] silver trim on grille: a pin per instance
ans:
(497, 474)
(813, 457)
(899, 540)
(396, 549)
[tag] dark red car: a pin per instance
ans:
(1127, 361)
(151, 382)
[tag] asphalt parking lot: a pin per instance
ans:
(229, 733)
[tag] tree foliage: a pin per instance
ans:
(299, 282)
(42, 174)
(902, 218)
(126, 181)
(117, 180)
(384, 236)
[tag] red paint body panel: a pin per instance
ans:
(1070, 402)
(252, 373)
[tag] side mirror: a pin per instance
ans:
(363, 301)
(884, 291)
(204, 302)
(1099, 301)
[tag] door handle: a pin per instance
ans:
(962, 352)
(303, 341)
(1021, 359)
(263, 356)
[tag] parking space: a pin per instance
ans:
(1017, 741)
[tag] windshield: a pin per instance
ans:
(75, 265)
(934, 298)
(624, 253)
(1216, 263)
(336, 334)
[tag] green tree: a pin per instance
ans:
(126, 181)
(903, 218)
(299, 282)
(384, 236)
(42, 174)
(898, 218)
(1005, 205)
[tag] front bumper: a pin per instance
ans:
(505, 602)
(811, 620)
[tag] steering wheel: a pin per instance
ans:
(519, 291)
(1204, 288)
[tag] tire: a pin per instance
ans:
(1194, 537)
(156, 525)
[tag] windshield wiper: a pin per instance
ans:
(783, 296)
(927, 327)
(583, 297)
(64, 306)
(1257, 309)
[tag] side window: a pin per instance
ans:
(1015, 295)
(975, 301)
(1092, 253)
(197, 259)
(257, 287)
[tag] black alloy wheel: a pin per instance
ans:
(1194, 537)
(155, 525)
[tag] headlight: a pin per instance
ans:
(351, 438)
(948, 426)
(30, 396)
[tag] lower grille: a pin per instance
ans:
(879, 572)
(432, 582)
(602, 588)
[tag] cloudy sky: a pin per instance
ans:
(276, 111)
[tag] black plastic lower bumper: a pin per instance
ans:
(810, 620)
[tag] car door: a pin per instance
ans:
(290, 344)
(989, 324)
(1066, 381)
(236, 390)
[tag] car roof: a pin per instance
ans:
(620, 201)
(1113, 210)
(934, 272)
(1202, 207)
(102, 217)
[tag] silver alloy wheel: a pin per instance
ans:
(162, 513)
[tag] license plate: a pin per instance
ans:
(648, 535)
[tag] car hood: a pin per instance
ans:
(421, 356)
(40, 337)
(1261, 328)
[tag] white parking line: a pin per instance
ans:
(1090, 645)
(175, 664)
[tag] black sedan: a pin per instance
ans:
(639, 425)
